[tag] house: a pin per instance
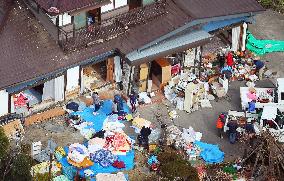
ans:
(52, 50)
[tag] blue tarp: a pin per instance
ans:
(210, 153)
(98, 119)
(128, 159)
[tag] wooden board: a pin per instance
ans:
(46, 115)
(143, 77)
(10, 128)
(110, 69)
(144, 71)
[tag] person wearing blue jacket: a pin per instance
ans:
(259, 67)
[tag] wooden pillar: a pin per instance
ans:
(195, 59)
(244, 37)
(110, 69)
(200, 61)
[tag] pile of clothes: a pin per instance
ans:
(43, 168)
(78, 156)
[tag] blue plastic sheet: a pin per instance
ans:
(210, 153)
(128, 159)
(98, 119)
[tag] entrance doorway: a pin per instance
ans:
(134, 4)
(26, 99)
(94, 76)
(94, 16)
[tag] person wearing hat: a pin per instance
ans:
(259, 67)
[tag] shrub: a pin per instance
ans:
(174, 167)
(4, 144)
(277, 5)
(21, 167)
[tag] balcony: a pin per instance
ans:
(109, 28)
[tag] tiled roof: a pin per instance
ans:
(199, 9)
(67, 5)
(27, 51)
(5, 6)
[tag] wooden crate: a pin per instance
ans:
(166, 69)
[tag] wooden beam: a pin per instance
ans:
(200, 60)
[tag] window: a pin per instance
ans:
(282, 95)
(64, 19)
(113, 5)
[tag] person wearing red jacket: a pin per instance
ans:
(230, 61)
(220, 125)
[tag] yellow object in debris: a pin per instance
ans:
(140, 122)
(152, 147)
(129, 117)
(60, 150)
(84, 164)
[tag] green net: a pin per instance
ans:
(261, 47)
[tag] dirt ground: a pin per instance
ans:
(55, 129)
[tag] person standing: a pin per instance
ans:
(221, 59)
(230, 60)
(232, 125)
(259, 68)
(133, 101)
(119, 102)
(97, 101)
(220, 126)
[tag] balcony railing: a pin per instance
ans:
(110, 28)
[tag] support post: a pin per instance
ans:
(200, 61)
(195, 59)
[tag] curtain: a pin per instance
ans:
(82, 86)
(117, 69)
(59, 88)
(235, 38)
(72, 78)
(48, 90)
(244, 36)
(4, 100)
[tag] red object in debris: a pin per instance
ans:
(21, 100)
(175, 69)
(154, 167)
(118, 164)
(230, 61)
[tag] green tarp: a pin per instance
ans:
(261, 47)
